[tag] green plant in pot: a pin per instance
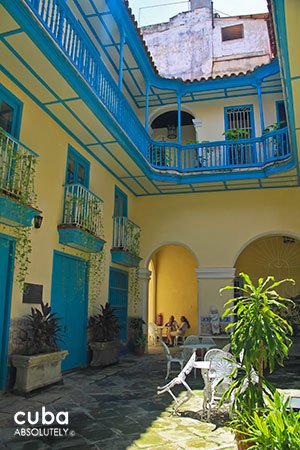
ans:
(137, 337)
(260, 340)
(103, 337)
(236, 134)
(38, 362)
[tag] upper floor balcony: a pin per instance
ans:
(82, 221)
(100, 117)
(126, 242)
(17, 170)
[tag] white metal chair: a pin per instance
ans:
(153, 334)
(226, 347)
(218, 377)
(207, 340)
(171, 359)
(180, 379)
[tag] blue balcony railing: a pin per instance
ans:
(61, 24)
(75, 43)
(221, 155)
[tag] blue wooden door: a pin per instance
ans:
(118, 298)
(6, 275)
(69, 301)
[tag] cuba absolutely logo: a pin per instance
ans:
(44, 423)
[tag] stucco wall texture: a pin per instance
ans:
(190, 45)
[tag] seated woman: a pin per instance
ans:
(184, 325)
(172, 325)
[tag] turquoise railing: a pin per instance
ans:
(17, 169)
(75, 43)
(61, 24)
(83, 209)
(222, 155)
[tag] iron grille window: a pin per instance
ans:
(240, 117)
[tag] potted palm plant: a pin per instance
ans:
(38, 363)
(260, 339)
(104, 332)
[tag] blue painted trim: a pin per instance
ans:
(261, 108)
(86, 298)
(123, 258)
(121, 61)
(280, 27)
(7, 311)
(79, 159)
(125, 200)
(80, 240)
(13, 101)
(13, 213)
(179, 119)
(251, 116)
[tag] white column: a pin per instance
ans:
(144, 276)
(197, 125)
(208, 290)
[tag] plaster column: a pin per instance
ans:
(144, 276)
(210, 280)
(197, 122)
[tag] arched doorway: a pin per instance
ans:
(277, 255)
(165, 127)
(173, 286)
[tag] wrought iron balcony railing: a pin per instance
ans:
(74, 42)
(83, 209)
(17, 169)
(126, 235)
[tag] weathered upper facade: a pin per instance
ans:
(199, 43)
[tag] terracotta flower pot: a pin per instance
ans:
(242, 445)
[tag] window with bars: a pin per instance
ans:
(240, 117)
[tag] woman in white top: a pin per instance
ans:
(184, 325)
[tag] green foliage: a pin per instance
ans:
(96, 275)
(22, 255)
(236, 134)
(138, 338)
(134, 288)
(275, 428)
(273, 127)
(17, 182)
(104, 325)
(259, 339)
(43, 331)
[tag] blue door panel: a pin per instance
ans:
(6, 275)
(69, 301)
(118, 298)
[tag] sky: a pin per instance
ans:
(155, 11)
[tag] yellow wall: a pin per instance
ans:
(216, 227)
(43, 135)
(176, 285)
(211, 114)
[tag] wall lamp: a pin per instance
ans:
(38, 221)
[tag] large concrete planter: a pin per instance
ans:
(36, 371)
(105, 353)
